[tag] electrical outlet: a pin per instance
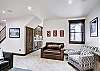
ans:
(19, 49)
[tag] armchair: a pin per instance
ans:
(83, 60)
(53, 51)
(7, 62)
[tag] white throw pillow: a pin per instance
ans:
(1, 54)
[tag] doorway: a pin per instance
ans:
(29, 40)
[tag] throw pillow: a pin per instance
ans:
(53, 46)
(85, 52)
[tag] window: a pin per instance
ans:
(77, 31)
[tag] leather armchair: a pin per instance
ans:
(53, 51)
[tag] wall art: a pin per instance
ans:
(54, 33)
(14, 32)
(94, 27)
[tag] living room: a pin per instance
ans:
(53, 19)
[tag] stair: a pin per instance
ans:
(2, 32)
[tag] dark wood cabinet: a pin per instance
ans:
(29, 40)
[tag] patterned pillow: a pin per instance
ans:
(53, 46)
(85, 52)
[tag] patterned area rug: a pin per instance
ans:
(19, 69)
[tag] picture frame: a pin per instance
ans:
(94, 27)
(48, 33)
(14, 32)
(61, 33)
(54, 33)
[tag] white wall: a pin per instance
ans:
(15, 44)
(2, 25)
(35, 22)
(58, 24)
(93, 41)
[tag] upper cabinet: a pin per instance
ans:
(38, 31)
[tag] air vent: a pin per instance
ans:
(10, 11)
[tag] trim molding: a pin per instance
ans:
(21, 54)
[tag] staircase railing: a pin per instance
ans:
(2, 34)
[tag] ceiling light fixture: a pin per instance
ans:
(69, 1)
(3, 12)
(4, 20)
(29, 8)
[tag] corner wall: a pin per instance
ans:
(58, 24)
(14, 45)
(93, 41)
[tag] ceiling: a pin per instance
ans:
(46, 8)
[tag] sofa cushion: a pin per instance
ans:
(75, 58)
(85, 52)
(54, 46)
(52, 51)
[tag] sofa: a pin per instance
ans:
(53, 50)
(7, 62)
(82, 59)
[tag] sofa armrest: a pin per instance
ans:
(62, 54)
(42, 50)
(9, 57)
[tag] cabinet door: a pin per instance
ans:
(29, 39)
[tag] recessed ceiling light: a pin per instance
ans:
(4, 20)
(3, 12)
(29, 8)
(69, 1)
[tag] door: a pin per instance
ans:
(29, 40)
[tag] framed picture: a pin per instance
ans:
(48, 33)
(14, 32)
(61, 33)
(94, 27)
(55, 33)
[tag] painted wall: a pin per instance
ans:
(35, 22)
(16, 44)
(58, 24)
(1, 27)
(93, 41)
(2, 24)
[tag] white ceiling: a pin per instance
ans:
(46, 8)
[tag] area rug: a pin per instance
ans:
(19, 69)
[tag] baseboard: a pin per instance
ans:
(21, 54)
